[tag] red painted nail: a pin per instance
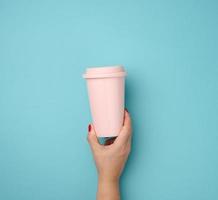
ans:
(89, 127)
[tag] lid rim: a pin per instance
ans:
(105, 75)
(105, 69)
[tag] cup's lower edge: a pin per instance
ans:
(106, 136)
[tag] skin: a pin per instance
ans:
(110, 159)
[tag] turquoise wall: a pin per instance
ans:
(170, 50)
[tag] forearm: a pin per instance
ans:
(108, 189)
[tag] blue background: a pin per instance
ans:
(170, 50)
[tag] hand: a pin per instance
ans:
(111, 157)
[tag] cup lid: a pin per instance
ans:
(105, 72)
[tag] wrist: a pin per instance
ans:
(108, 188)
(108, 179)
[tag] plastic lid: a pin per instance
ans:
(105, 72)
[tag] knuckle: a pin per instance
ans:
(124, 151)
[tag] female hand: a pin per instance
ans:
(110, 159)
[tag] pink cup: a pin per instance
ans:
(106, 90)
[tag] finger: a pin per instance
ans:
(92, 138)
(126, 131)
(109, 141)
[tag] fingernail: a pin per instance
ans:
(89, 127)
(126, 110)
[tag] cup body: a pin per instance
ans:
(106, 91)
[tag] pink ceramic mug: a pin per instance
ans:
(106, 90)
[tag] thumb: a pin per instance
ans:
(92, 138)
